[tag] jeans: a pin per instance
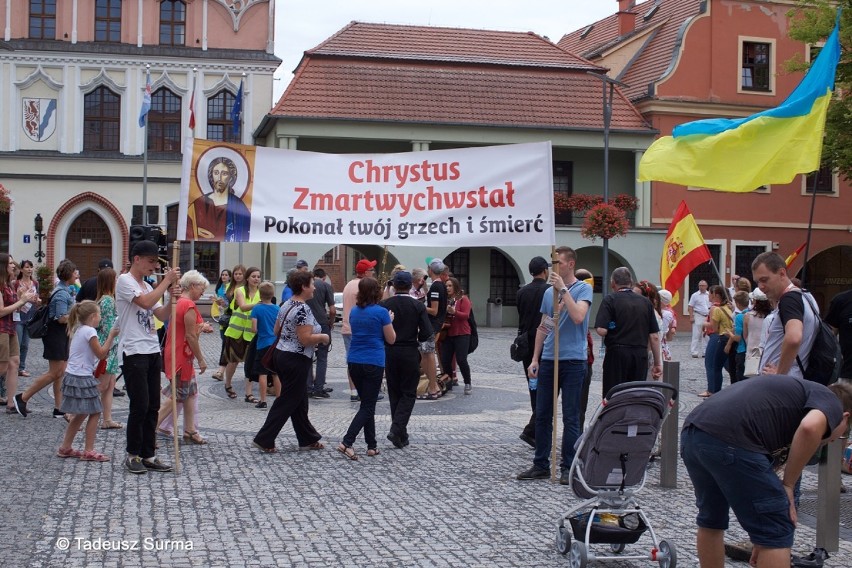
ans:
(142, 377)
(529, 429)
(316, 380)
(714, 361)
(402, 372)
(368, 381)
(571, 376)
(23, 342)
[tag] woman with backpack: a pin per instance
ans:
(457, 343)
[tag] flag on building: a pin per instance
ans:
(236, 112)
(683, 251)
(742, 155)
(192, 107)
(795, 254)
(146, 101)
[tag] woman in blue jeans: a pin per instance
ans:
(25, 281)
(719, 323)
(371, 329)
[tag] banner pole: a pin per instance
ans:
(172, 330)
(556, 309)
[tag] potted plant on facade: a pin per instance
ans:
(45, 277)
(5, 199)
(604, 221)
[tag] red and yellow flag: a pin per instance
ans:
(683, 250)
(795, 254)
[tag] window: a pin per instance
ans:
(504, 279)
(164, 122)
(563, 185)
(42, 19)
(824, 181)
(756, 70)
(173, 22)
(153, 216)
(706, 272)
(743, 254)
(206, 253)
(220, 127)
(459, 264)
(108, 21)
(101, 120)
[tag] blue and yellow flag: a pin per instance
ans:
(741, 155)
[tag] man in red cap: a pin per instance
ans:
(363, 268)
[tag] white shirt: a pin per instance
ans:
(81, 359)
(700, 302)
(138, 334)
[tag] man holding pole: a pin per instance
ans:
(574, 300)
(136, 303)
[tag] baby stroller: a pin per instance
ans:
(609, 469)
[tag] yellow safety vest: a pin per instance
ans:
(240, 323)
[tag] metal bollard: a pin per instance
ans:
(828, 502)
(669, 436)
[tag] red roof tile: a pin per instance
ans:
(378, 72)
(385, 41)
(659, 49)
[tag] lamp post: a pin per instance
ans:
(38, 224)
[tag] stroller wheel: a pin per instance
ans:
(667, 554)
(563, 540)
(579, 555)
(617, 548)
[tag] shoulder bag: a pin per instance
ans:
(266, 361)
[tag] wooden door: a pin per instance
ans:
(89, 241)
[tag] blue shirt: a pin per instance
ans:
(265, 314)
(738, 330)
(368, 336)
(572, 337)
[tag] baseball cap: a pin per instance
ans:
(145, 248)
(665, 296)
(364, 265)
(301, 263)
(537, 265)
(757, 295)
(105, 263)
(402, 278)
(437, 266)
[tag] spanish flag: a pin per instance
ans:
(744, 154)
(683, 250)
(795, 254)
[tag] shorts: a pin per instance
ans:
(258, 368)
(725, 476)
(428, 346)
(9, 347)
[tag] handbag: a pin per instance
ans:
(752, 362)
(101, 368)
(266, 361)
(520, 348)
(37, 326)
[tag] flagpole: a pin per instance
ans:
(192, 135)
(804, 277)
(173, 347)
(554, 258)
(145, 155)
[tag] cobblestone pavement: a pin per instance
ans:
(449, 499)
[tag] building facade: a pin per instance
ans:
(72, 151)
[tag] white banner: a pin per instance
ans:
(488, 196)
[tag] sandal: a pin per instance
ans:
(111, 425)
(347, 451)
(68, 453)
(217, 376)
(373, 452)
(231, 392)
(705, 394)
(194, 438)
(24, 373)
(262, 449)
(164, 433)
(93, 456)
(250, 398)
(314, 446)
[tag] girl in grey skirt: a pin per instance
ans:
(80, 394)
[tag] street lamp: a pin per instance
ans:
(39, 227)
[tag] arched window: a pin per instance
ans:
(172, 22)
(101, 120)
(164, 122)
(42, 19)
(220, 127)
(108, 21)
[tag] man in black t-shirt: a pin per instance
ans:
(839, 316)
(89, 289)
(322, 306)
(629, 327)
(727, 443)
(529, 318)
(436, 308)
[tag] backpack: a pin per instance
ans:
(824, 358)
(38, 324)
(474, 332)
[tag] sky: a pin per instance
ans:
(300, 25)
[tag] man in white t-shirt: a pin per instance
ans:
(699, 307)
(137, 304)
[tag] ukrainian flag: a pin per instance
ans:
(743, 154)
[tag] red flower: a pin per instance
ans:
(604, 221)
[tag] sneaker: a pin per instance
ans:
(327, 389)
(320, 394)
(20, 405)
(117, 392)
(156, 465)
(133, 464)
(261, 404)
(528, 439)
(534, 473)
(58, 413)
(396, 440)
(354, 398)
(564, 478)
(468, 389)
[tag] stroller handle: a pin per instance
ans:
(634, 384)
